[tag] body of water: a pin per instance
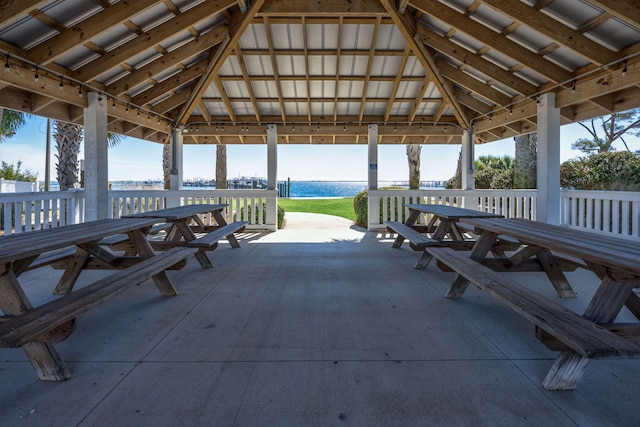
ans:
(299, 189)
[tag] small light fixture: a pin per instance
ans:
(99, 97)
(624, 70)
(222, 127)
(216, 127)
(7, 67)
(490, 118)
(113, 105)
(36, 77)
(80, 91)
(395, 127)
(294, 127)
(126, 110)
(61, 85)
(511, 111)
(318, 128)
(138, 113)
(573, 88)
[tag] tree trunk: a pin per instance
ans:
(68, 137)
(221, 166)
(524, 175)
(166, 168)
(413, 157)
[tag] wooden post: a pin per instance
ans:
(548, 160)
(96, 158)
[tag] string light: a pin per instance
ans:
(61, 85)
(6, 64)
(79, 90)
(624, 70)
(126, 110)
(113, 105)
(36, 77)
(573, 89)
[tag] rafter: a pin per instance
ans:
(367, 78)
(238, 24)
(91, 27)
(247, 81)
(497, 41)
(12, 10)
(407, 27)
(274, 67)
(396, 83)
(562, 34)
(625, 10)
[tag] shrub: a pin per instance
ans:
(264, 214)
(360, 207)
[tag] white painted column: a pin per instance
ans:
(272, 176)
(548, 159)
(96, 162)
(373, 157)
(272, 157)
(175, 160)
(468, 161)
(373, 203)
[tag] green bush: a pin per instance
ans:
(361, 208)
(603, 171)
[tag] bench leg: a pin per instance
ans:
(603, 308)
(188, 235)
(565, 372)
(143, 247)
(43, 357)
(480, 249)
(424, 260)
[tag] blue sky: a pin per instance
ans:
(135, 159)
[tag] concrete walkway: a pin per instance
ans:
(319, 324)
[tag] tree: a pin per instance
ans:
(602, 171)
(68, 137)
(494, 172)
(221, 166)
(524, 174)
(613, 127)
(413, 157)
(10, 122)
(13, 173)
(166, 165)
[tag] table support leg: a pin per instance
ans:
(217, 215)
(603, 308)
(480, 249)
(411, 219)
(555, 274)
(424, 260)
(43, 356)
(74, 266)
(139, 240)
(188, 235)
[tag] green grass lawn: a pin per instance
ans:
(342, 207)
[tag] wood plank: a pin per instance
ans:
(211, 238)
(580, 334)
(29, 326)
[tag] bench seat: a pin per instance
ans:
(574, 331)
(211, 238)
(416, 238)
(52, 257)
(40, 323)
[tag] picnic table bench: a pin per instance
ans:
(185, 221)
(579, 339)
(35, 329)
(442, 229)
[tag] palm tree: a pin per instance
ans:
(68, 138)
(221, 166)
(10, 122)
(413, 157)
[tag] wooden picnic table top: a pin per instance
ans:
(608, 251)
(450, 212)
(23, 245)
(178, 212)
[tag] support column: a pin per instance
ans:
(96, 176)
(373, 157)
(548, 160)
(175, 160)
(373, 203)
(468, 161)
(272, 176)
(272, 157)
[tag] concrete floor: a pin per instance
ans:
(319, 324)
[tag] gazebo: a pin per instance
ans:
(344, 72)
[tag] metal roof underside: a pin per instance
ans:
(423, 70)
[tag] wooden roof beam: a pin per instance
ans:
(625, 10)
(45, 53)
(529, 16)
(247, 81)
(12, 10)
(407, 26)
(367, 78)
(491, 38)
(396, 83)
(238, 24)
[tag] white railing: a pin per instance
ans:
(257, 207)
(610, 212)
(615, 213)
(388, 205)
(21, 212)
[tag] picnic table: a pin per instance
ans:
(579, 338)
(442, 229)
(36, 328)
(185, 221)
